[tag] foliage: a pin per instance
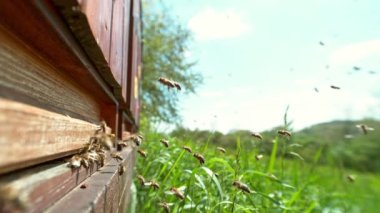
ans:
(165, 43)
(344, 145)
(286, 186)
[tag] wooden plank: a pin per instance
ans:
(27, 78)
(126, 27)
(104, 189)
(91, 23)
(38, 35)
(30, 135)
(53, 183)
(99, 16)
(117, 37)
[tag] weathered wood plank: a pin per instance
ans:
(91, 23)
(30, 135)
(117, 39)
(104, 189)
(38, 188)
(40, 36)
(27, 78)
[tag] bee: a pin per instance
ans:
(153, 184)
(321, 43)
(257, 135)
(75, 161)
(169, 83)
(242, 186)
(284, 133)
(356, 68)
(122, 144)
(221, 149)
(365, 128)
(165, 206)
(10, 199)
(334, 87)
(351, 178)
(83, 186)
(141, 180)
(165, 142)
(121, 169)
(258, 157)
(85, 163)
(216, 174)
(117, 156)
(187, 149)
(142, 153)
(177, 193)
(102, 160)
(166, 82)
(200, 158)
(137, 139)
(177, 85)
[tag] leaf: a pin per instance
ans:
(296, 155)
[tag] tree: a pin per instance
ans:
(165, 41)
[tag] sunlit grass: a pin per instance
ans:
(278, 183)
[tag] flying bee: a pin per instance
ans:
(334, 87)
(187, 149)
(165, 206)
(141, 180)
(117, 156)
(242, 186)
(284, 133)
(166, 82)
(177, 193)
(121, 169)
(351, 178)
(142, 153)
(221, 149)
(200, 158)
(137, 139)
(177, 85)
(216, 174)
(258, 157)
(75, 161)
(153, 184)
(256, 135)
(165, 142)
(365, 128)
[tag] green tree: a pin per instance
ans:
(165, 41)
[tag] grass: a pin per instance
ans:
(278, 183)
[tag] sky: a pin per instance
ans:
(260, 56)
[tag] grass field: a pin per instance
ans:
(277, 184)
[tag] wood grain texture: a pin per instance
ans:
(55, 183)
(104, 191)
(117, 39)
(27, 78)
(30, 135)
(91, 23)
(26, 22)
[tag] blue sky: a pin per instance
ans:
(258, 56)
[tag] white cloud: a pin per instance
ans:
(211, 24)
(355, 52)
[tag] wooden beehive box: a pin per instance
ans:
(66, 65)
